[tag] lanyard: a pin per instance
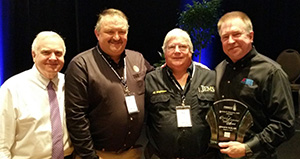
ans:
(183, 92)
(123, 80)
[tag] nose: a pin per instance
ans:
(177, 48)
(231, 40)
(116, 36)
(52, 56)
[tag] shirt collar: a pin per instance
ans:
(189, 69)
(42, 81)
(243, 61)
(108, 58)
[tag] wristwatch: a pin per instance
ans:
(248, 152)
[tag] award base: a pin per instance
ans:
(229, 120)
(214, 145)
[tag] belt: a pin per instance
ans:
(120, 150)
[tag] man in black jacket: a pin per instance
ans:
(178, 97)
(258, 82)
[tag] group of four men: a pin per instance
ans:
(110, 92)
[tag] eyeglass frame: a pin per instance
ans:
(181, 47)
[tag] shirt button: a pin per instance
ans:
(129, 133)
(234, 68)
(223, 96)
(124, 145)
(228, 81)
(131, 118)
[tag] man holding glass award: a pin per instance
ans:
(254, 111)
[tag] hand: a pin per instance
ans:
(233, 149)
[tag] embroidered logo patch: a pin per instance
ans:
(203, 88)
(136, 69)
(247, 81)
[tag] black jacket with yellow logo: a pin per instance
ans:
(163, 95)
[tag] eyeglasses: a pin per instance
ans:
(182, 48)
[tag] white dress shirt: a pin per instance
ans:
(25, 126)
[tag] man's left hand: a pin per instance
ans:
(233, 149)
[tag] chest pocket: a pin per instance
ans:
(248, 91)
(160, 101)
(206, 99)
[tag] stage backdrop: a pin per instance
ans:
(276, 26)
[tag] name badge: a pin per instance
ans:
(131, 104)
(183, 116)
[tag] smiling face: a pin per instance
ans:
(112, 35)
(48, 55)
(177, 54)
(236, 40)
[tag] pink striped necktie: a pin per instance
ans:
(57, 132)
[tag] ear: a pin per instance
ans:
(97, 34)
(251, 36)
(33, 54)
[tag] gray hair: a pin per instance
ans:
(43, 35)
(177, 32)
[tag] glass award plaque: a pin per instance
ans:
(229, 120)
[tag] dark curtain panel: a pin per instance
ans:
(276, 23)
(29, 17)
(276, 26)
(74, 20)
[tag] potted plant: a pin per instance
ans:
(200, 20)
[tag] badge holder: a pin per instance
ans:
(183, 116)
(130, 102)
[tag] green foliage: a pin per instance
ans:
(200, 20)
(160, 62)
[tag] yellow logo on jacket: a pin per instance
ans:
(159, 91)
(203, 88)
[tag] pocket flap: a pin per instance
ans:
(160, 98)
(206, 96)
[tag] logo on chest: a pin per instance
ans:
(247, 81)
(203, 89)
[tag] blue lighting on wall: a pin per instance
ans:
(1, 43)
(206, 56)
(206, 53)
